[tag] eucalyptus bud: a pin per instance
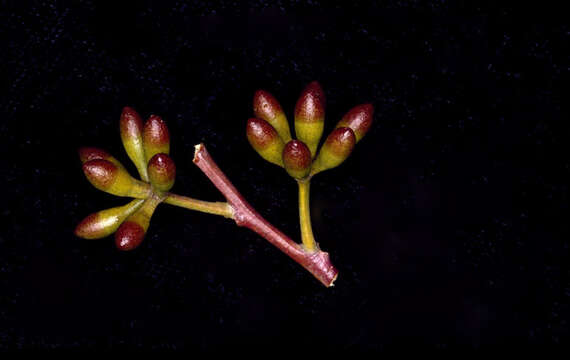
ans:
(131, 135)
(131, 232)
(162, 172)
(266, 107)
(105, 222)
(335, 150)
(359, 119)
(265, 140)
(156, 137)
(108, 177)
(297, 159)
(310, 116)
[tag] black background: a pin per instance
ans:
(449, 222)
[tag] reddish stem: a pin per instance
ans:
(316, 262)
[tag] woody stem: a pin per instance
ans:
(317, 262)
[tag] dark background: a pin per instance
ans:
(449, 223)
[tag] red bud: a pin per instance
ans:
(359, 119)
(105, 222)
(266, 107)
(101, 173)
(335, 150)
(310, 116)
(265, 140)
(131, 233)
(108, 177)
(297, 159)
(129, 236)
(156, 137)
(162, 172)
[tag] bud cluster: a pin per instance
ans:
(269, 134)
(148, 146)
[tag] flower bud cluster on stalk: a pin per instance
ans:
(269, 135)
(148, 147)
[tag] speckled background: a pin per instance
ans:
(449, 223)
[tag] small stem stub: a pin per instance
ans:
(317, 262)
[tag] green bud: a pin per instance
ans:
(265, 140)
(132, 232)
(105, 222)
(131, 135)
(310, 116)
(162, 171)
(335, 150)
(359, 119)
(266, 107)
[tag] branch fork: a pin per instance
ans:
(316, 261)
(148, 146)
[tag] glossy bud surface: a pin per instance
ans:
(131, 232)
(297, 159)
(131, 135)
(156, 137)
(162, 172)
(103, 223)
(265, 140)
(310, 116)
(335, 150)
(93, 153)
(266, 107)
(108, 177)
(359, 119)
